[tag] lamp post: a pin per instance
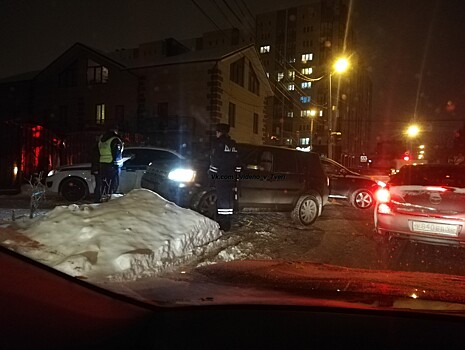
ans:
(412, 132)
(339, 66)
(312, 116)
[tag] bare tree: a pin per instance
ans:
(37, 193)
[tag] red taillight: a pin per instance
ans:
(383, 195)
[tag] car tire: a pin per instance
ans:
(74, 189)
(305, 211)
(362, 199)
(207, 205)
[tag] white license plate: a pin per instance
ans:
(429, 227)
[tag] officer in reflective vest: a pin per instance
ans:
(111, 160)
(224, 168)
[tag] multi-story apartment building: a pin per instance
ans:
(298, 47)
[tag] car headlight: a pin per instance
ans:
(52, 172)
(182, 175)
(381, 183)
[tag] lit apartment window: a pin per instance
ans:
(291, 87)
(305, 140)
(307, 71)
(305, 113)
(265, 49)
(321, 113)
(290, 114)
(100, 114)
(307, 57)
(306, 85)
(305, 99)
(96, 73)
(280, 76)
(292, 60)
(291, 75)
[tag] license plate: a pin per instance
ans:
(429, 227)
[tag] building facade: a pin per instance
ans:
(298, 47)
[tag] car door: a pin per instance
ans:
(269, 179)
(337, 183)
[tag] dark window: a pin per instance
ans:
(143, 157)
(430, 176)
(119, 115)
(162, 108)
(254, 84)
(68, 77)
(284, 161)
(255, 123)
(96, 73)
(232, 115)
(236, 73)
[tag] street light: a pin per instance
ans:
(412, 132)
(312, 116)
(340, 66)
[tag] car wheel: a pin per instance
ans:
(207, 205)
(362, 199)
(74, 189)
(305, 211)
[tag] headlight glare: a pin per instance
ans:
(182, 175)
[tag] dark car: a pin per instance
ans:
(423, 203)
(345, 184)
(272, 179)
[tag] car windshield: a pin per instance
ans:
(236, 119)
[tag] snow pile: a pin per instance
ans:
(137, 235)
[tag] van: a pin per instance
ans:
(273, 179)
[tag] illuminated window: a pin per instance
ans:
(305, 140)
(265, 49)
(305, 113)
(280, 76)
(290, 114)
(291, 87)
(306, 85)
(307, 57)
(305, 99)
(292, 60)
(307, 71)
(96, 73)
(100, 114)
(291, 75)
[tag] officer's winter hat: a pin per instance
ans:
(222, 127)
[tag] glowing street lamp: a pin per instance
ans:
(413, 131)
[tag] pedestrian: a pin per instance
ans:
(95, 169)
(111, 161)
(224, 168)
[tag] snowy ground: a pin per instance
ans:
(132, 236)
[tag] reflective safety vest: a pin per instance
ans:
(105, 151)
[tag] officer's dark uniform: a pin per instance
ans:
(111, 149)
(224, 167)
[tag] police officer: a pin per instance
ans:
(111, 160)
(224, 167)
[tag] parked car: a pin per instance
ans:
(75, 182)
(272, 179)
(345, 184)
(423, 203)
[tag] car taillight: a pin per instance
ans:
(383, 195)
(384, 208)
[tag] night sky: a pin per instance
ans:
(404, 43)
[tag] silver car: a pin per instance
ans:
(423, 203)
(75, 182)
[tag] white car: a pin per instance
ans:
(75, 182)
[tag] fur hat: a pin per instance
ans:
(222, 127)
